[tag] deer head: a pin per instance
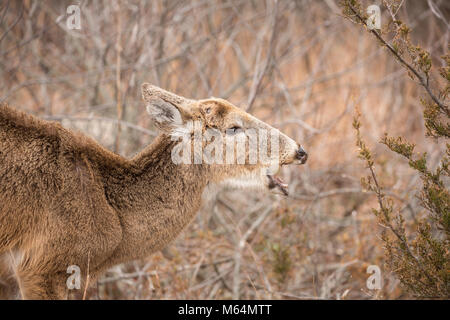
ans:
(236, 148)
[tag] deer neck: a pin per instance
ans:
(156, 198)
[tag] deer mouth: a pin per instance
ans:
(277, 184)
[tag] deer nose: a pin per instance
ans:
(302, 155)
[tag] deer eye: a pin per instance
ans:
(234, 130)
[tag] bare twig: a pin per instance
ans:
(423, 80)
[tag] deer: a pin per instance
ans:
(66, 200)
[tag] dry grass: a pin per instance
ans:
(295, 64)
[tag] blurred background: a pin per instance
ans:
(297, 65)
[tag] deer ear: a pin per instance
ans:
(167, 109)
(164, 113)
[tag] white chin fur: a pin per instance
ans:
(254, 180)
(254, 183)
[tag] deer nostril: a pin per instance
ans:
(302, 155)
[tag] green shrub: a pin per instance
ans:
(419, 258)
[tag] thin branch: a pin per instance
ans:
(423, 81)
(259, 74)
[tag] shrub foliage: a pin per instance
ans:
(419, 258)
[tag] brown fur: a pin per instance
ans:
(65, 200)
